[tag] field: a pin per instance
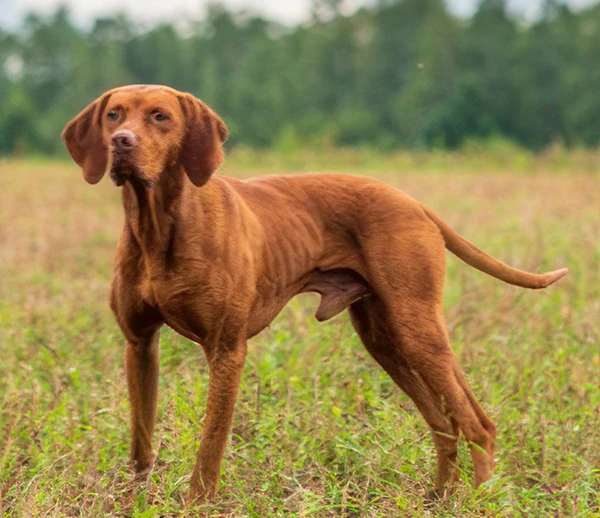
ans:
(319, 429)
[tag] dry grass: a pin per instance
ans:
(319, 430)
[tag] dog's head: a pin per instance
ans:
(139, 131)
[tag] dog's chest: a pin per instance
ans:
(146, 291)
(200, 310)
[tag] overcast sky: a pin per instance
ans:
(286, 11)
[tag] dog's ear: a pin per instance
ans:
(83, 138)
(201, 149)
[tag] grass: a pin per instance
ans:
(319, 430)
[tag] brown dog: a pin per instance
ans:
(217, 259)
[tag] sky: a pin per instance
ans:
(152, 11)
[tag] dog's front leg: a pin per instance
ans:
(225, 367)
(141, 363)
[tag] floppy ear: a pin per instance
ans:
(201, 149)
(83, 138)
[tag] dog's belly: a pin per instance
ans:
(212, 305)
(200, 315)
(338, 288)
(266, 307)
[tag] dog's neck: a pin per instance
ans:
(151, 211)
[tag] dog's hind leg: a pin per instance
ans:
(368, 320)
(412, 347)
(405, 332)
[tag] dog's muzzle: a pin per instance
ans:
(122, 145)
(123, 141)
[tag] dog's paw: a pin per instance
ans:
(433, 498)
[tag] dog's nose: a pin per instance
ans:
(124, 140)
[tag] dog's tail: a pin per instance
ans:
(476, 258)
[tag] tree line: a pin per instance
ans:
(400, 74)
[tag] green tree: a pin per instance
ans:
(489, 91)
(399, 73)
(423, 108)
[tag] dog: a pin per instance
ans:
(217, 258)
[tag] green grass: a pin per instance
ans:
(319, 429)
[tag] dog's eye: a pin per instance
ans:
(159, 116)
(112, 115)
